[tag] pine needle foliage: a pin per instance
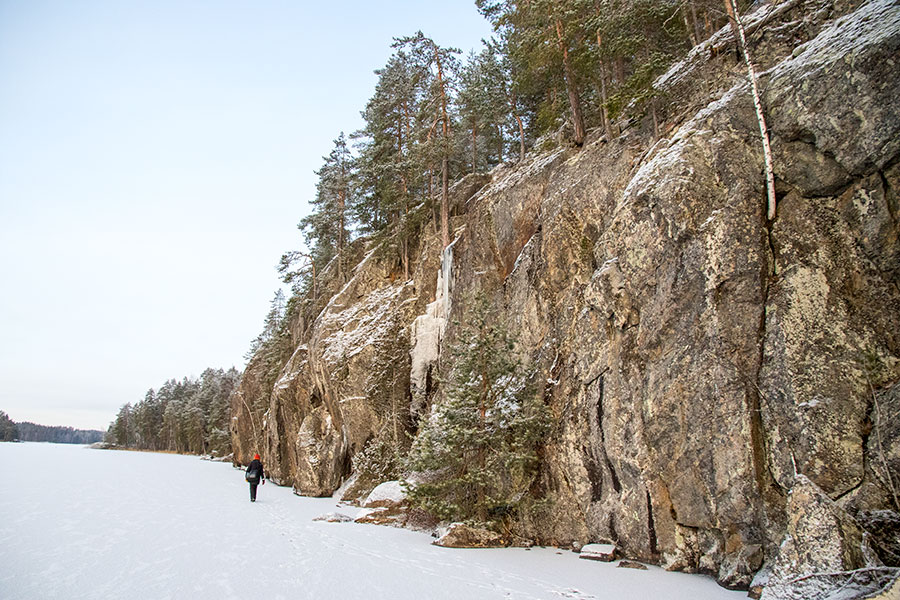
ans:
(476, 456)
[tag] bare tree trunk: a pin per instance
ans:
(404, 241)
(445, 202)
(521, 137)
(604, 111)
(474, 148)
(312, 264)
(404, 258)
(571, 87)
(445, 162)
(692, 35)
(511, 96)
(731, 11)
(340, 256)
(607, 121)
(757, 103)
(698, 35)
(482, 413)
(434, 221)
(431, 185)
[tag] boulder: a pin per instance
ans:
(821, 539)
(884, 527)
(460, 535)
(389, 494)
(381, 516)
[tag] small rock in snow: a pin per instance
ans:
(602, 552)
(334, 518)
(631, 564)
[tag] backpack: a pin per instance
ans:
(252, 476)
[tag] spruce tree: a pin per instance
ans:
(476, 455)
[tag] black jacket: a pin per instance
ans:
(256, 465)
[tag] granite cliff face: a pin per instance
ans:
(697, 358)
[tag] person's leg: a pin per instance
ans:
(253, 492)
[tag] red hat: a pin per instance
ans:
(256, 456)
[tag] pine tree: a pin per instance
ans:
(544, 38)
(478, 449)
(484, 107)
(327, 227)
(298, 269)
(123, 427)
(636, 41)
(442, 65)
(390, 160)
(272, 327)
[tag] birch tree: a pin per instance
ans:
(757, 103)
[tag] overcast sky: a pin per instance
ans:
(155, 158)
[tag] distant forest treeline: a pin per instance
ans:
(31, 432)
(189, 416)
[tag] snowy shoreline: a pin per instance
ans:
(152, 525)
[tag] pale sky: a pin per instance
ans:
(155, 158)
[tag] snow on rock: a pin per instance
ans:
(701, 53)
(388, 494)
(360, 325)
(601, 552)
(538, 164)
(856, 55)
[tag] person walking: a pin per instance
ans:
(255, 475)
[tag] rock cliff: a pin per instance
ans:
(697, 358)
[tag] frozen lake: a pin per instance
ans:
(82, 523)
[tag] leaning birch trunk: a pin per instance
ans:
(763, 130)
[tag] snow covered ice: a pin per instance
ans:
(82, 523)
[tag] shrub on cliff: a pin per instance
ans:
(476, 456)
